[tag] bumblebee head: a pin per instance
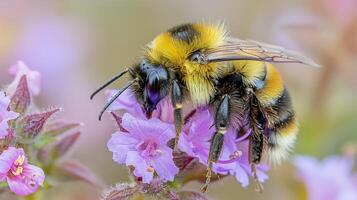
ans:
(151, 85)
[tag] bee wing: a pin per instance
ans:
(237, 49)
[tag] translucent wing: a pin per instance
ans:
(237, 49)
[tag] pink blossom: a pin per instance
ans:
(144, 146)
(33, 78)
(5, 114)
(127, 102)
(194, 139)
(330, 179)
(23, 179)
(234, 161)
(343, 11)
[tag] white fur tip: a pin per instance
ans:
(281, 150)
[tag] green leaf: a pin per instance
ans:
(3, 184)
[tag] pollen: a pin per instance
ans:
(159, 152)
(18, 171)
(17, 168)
(236, 154)
(20, 160)
(150, 169)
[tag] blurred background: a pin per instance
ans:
(77, 45)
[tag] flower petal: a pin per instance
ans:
(33, 78)
(3, 129)
(120, 143)
(31, 178)
(241, 175)
(126, 101)
(141, 167)
(164, 165)
(7, 158)
(152, 128)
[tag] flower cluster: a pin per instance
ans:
(330, 179)
(145, 145)
(30, 141)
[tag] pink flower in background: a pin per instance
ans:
(5, 114)
(144, 146)
(343, 11)
(47, 141)
(331, 179)
(22, 178)
(33, 78)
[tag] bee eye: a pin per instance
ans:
(197, 57)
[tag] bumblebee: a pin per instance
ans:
(201, 64)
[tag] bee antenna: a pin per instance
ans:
(109, 82)
(115, 97)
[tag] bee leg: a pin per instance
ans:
(257, 141)
(176, 98)
(221, 123)
(255, 148)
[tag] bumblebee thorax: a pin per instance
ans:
(199, 82)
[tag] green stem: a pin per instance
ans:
(35, 196)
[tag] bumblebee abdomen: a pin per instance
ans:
(273, 86)
(263, 77)
(253, 72)
(285, 129)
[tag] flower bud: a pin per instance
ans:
(30, 126)
(120, 191)
(71, 170)
(50, 153)
(21, 99)
(65, 143)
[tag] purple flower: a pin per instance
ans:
(22, 178)
(5, 114)
(33, 78)
(194, 139)
(144, 146)
(196, 135)
(127, 102)
(331, 179)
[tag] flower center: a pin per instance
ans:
(17, 167)
(149, 149)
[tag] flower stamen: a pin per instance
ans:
(18, 171)
(18, 165)
(20, 160)
(232, 158)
